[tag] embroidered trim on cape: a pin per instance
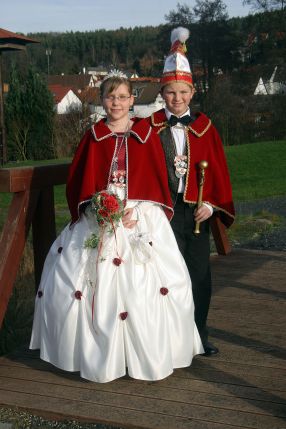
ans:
(213, 205)
(139, 138)
(164, 125)
(154, 202)
(112, 133)
(203, 132)
(78, 212)
(158, 124)
(188, 143)
(102, 138)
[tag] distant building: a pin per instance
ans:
(271, 86)
(147, 97)
(98, 73)
(70, 90)
(65, 99)
(89, 97)
(76, 81)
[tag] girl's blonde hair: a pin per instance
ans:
(112, 83)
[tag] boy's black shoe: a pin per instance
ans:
(210, 349)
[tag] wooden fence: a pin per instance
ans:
(33, 204)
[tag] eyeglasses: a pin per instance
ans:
(116, 97)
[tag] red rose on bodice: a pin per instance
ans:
(110, 204)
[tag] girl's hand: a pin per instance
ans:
(127, 221)
(202, 213)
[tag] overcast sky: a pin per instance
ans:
(30, 16)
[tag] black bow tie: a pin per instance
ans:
(185, 120)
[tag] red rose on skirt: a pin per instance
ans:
(110, 204)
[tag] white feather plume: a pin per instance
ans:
(179, 33)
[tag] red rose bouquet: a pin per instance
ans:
(108, 209)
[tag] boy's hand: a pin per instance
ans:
(202, 213)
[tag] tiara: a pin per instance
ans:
(115, 73)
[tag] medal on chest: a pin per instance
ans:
(179, 144)
(181, 165)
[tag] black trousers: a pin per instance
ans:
(195, 249)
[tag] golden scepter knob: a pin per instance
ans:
(202, 166)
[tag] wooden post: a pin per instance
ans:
(3, 149)
(44, 230)
(13, 241)
(219, 234)
(33, 203)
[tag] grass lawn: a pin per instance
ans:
(257, 170)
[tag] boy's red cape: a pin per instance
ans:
(204, 143)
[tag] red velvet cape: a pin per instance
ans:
(204, 143)
(147, 178)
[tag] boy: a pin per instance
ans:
(188, 138)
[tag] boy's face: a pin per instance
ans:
(177, 96)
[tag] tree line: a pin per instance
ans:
(226, 55)
(215, 42)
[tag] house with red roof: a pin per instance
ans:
(65, 99)
(78, 81)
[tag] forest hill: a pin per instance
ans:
(227, 57)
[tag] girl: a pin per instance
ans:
(115, 292)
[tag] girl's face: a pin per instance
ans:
(117, 103)
(177, 96)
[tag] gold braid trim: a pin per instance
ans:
(161, 129)
(176, 73)
(156, 124)
(177, 80)
(220, 209)
(210, 204)
(203, 132)
(164, 125)
(188, 143)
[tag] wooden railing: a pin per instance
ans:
(33, 204)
